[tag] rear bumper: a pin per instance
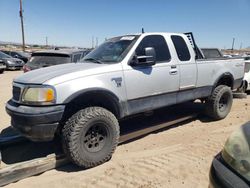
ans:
(36, 123)
(221, 176)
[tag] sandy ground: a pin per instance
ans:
(5, 94)
(177, 157)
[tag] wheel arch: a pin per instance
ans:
(225, 79)
(246, 84)
(93, 97)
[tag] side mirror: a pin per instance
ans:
(148, 59)
(16, 56)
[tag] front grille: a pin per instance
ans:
(16, 92)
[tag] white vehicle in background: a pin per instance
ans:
(246, 79)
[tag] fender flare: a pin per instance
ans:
(226, 74)
(116, 102)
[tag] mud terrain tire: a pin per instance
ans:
(90, 136)
(219, 104)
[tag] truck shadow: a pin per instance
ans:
(26, 150)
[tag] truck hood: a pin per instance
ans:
(40, 76)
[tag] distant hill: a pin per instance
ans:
(11, 43)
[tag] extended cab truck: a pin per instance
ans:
(126, 75)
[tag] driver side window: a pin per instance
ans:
(158, 42)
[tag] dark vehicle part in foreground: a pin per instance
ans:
(10, 62)
(17, 54)
(49, 156)
(231, 167)
(53, 57)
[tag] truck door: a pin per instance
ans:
(151, 86)
(187, 68)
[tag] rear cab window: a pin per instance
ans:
(181, 48)
(158, 42)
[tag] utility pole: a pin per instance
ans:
(96, 41)
(92, 42)
(233, 44)
(46, 41)
(21, 16)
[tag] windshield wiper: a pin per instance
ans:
(93, 60)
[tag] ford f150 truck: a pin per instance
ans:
(126, 75)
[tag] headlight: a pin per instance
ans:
(39, 95)
(236, 152)
(10, 62)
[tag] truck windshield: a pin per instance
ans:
(111, 51)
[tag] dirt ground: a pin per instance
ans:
(177, 157)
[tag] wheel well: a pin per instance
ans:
(94, 98)
(246, 83)
(225, 80)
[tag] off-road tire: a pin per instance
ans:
(219, 104)
(77, 136)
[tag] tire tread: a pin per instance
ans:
(72, 129)
(211, 103)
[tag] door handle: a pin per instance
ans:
(173, 67)
(173, 72)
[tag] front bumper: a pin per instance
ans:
(38, 123)
(14, 66)
(2, 66)
(221, 176)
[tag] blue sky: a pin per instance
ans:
(74, 22)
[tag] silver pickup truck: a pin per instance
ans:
(126, 75)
